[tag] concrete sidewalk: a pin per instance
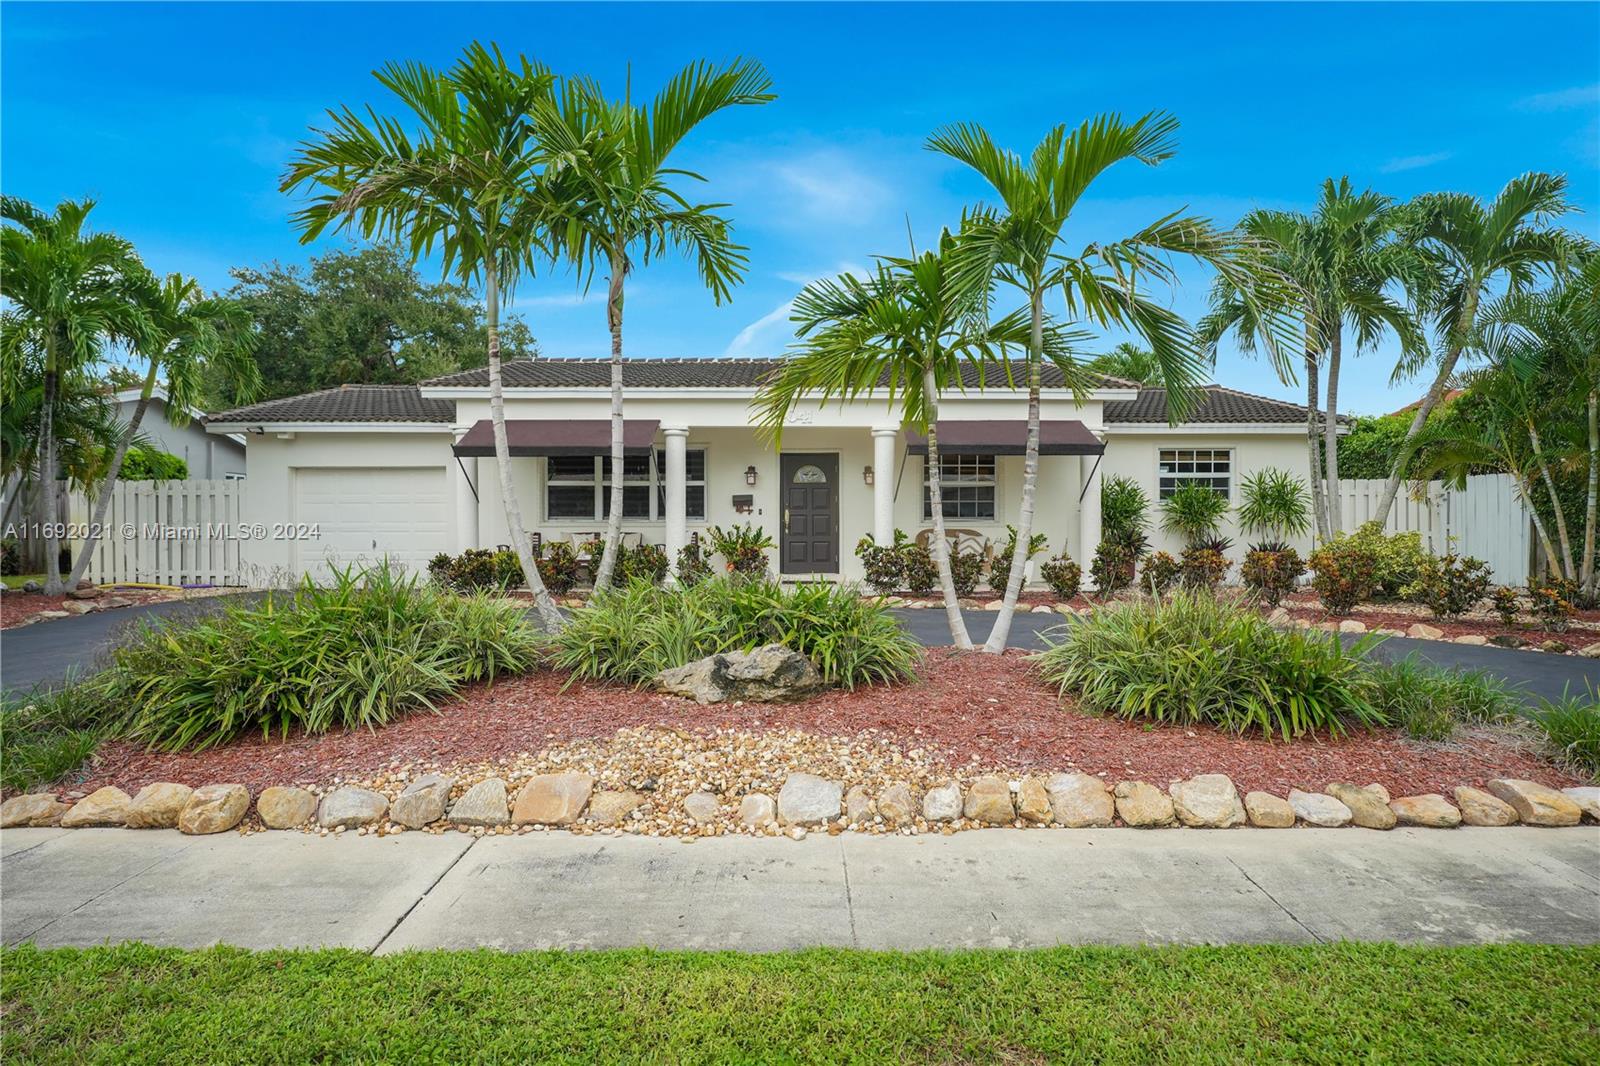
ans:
(992, 888)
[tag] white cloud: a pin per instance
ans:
(571, 299)
(1562, 99)
(1414, 162)
(803, 279)
(767, 335)
(827, 185)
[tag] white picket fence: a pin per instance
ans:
(1488, 519)
(168, 533)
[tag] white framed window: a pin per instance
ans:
(1212, 467)
(967, 487)
(579, 486)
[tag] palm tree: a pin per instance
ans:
(65, 288)
(1472, 247)
(617, 204)
(182, 334)
(907, 329)
(1343, 262)
(1019, 242)
(1130, 362)
(465, 184)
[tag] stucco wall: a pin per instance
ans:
(209, 455)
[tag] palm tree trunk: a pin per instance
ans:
(47, 474)
(1330, 437)
(1313, 447)
(103, 505)
(608, 558)
(941, 547)
(1408, 445)
(1590, 573)
(1569, 571)
(1030, 482)
(549, 616)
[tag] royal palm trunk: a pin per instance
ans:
(103, 505)
(608, 559)
(1330, 439)
(1030, 482)
(941, 547)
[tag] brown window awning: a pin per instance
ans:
(560, 436)
(1005, 436)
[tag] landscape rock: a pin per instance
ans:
(897, 804)
(1587, 799)
(422, 802)
(703, 807)
(1208, 801)
(767, 674)
(282, 807)
(1267, 811)
(215, 809)
(484, 804)
(806, 799)
(34, 809)
(758, 811)
(1476, 640)
(1423, 631)
(1554, 647)
(612, 807)
(1143, 805)
(85, 592)
(1590, 651)
(79, 606)
(1480, 808)
(157, 806)
(942, 803)
(1314, 808)
(1033, 801)
(1536, 804)
(994, 605)
(104, 806)
(1367, 809)
(1350, 625)
(1430, 810)
(857, 805)
(552, 799)
(1079, 801)
(989, 801)
(1507, 640)
(351, 807)
(1381, 792)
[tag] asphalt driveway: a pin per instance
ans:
(46, 652)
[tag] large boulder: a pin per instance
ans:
(214, 809)
(347, 808)
(942, 803)
(897, 805)
(1587, 798)
(1429, 810)
(1142, 805)
(757, 811)
(1480, 808)
(768, 674)
(422, 802)
(702, 806)
(483, 804)
(157, 806)
(1367, 809)
(858, 806)
(1079, 801)
(611, 807)
(1208, 801)
(1314, 808)
(285, 807)
(1536, 804)
(1267, 811)
(38, 809)
(806, 799)
(103, 806)
(1033, 801)
(989, 801)
(552, 799)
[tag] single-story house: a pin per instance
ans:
(219, 456)
(362, 471)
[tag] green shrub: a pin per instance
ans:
(1196, 658)
(918, 569)
(883, 563)
(1507, 603)
(1161, 572)
(10, 557)
(693, 566)
(647, 562)
(1572, 726)
(629, 634)
(558, 566)
(1427, 702)
(1343, 574)
(1449, 585)
(1124, 508)
(49, 732)
(152, 464)
(1193, 510)
(1270, 571)
(966, 570)
(1274, 502)
(1113, 567)
(1000, 565)
(358, 652)
(1396, 559)
(1204, 565)
(743, 548)
(477, 570)
(1552, 599)
(1063, 576)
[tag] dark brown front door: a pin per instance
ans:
(810, 541)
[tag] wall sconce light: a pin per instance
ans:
(866, 474)
(750, 475)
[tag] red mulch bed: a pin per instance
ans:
(16, 607)
(1584, 630)
(974, 708)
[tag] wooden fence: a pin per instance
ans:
(168, 533)
(1488, 519)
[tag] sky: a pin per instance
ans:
(180, 119)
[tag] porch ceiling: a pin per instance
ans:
(1008, 437)
(560, 436)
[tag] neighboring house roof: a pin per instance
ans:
(159, 393)
(1448, 397)
(1219, 404)
(680, 374)
(347, 403)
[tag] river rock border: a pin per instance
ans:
(806, 803)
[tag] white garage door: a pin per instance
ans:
(365, 514)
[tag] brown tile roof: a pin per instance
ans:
(1220, 405)
(347, 403)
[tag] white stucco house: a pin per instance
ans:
(219, 456)
(363, 471)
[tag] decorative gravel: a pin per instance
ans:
(970, 711)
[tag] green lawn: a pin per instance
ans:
(15, 581)
(1340, 1003)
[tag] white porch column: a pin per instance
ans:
(884, 439)
(462, 482)
(1088, 514)
(676, 477)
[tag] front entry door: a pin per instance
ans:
(810, 540)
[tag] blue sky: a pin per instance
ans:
(179, 120)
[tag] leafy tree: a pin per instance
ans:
(1131, 363)
(362, 316)
(465, 183)
(613, 204)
